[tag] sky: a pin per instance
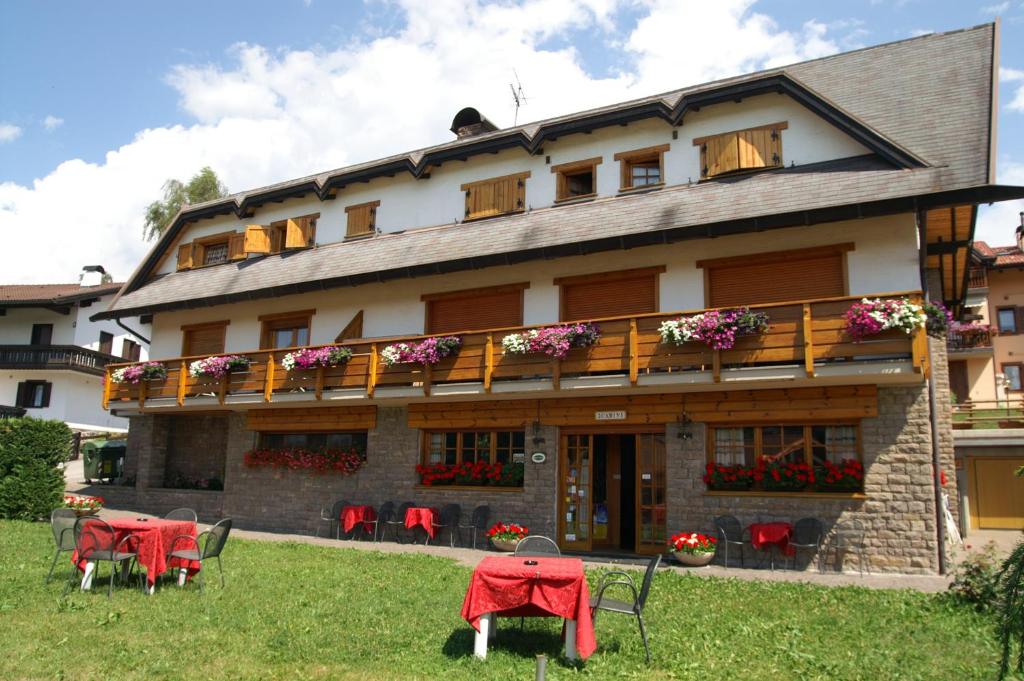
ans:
(101, 103)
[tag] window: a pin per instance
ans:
(211, 250)
(495, 307)
(287, 330)
(642, 167)
(106, 343)
(362, 219)
(279, 236)
(1007, 317)
(496, 196)
(455, 447)
(33, 394)
(1013, 377)
(203, 340)
(576, 180)
(609, 294)
(131, 351)
(214, 254)
(750, 149)
(315, 441)
(42, 334)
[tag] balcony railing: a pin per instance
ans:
(989, 414)
(977, 277)
(805, 335)
(969, 339)
(54, 357)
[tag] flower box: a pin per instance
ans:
(218, 366)
(472, 474)
(787, 477)
(554, 341)
(425, 353)
(343, 462)
(718, 329)
(871, 317)
(731, 478)
(136, 373)
(314, 358)
(847, 476)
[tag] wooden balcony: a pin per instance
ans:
(51, 357)
(806, 339)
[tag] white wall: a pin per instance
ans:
(75, 398)
(884, 260)
(409, 203)
(87, 333)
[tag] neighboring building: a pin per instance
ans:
(52, 356)
(798, 189)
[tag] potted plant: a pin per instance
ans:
(787, 477)
(147, 371)
(848, 476)
(83, 505)
(692, 548)
(504, 536)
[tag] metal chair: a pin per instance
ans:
(332, 517)
(730, 533)
(807, 534)
(216, 538)
(479, 520)
(62, 523)
(852, 539)
(397, 522)
(447, 518)
(96, 542)
(182, 514)
(536, 545)
(386, 512)
(636, 607)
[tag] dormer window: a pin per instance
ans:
(741, 150)
(211, 250)
(642, 167)
(281, 235)
(216, 253)
(576, 180)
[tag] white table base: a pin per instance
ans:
(489, 629)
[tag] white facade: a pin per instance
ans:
(884, 260)
(75, 398)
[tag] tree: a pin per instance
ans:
(204, 186)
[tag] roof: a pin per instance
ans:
(995, 257)
(922, 106)
(52, 294)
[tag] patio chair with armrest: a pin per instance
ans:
(478, 522)
(386, 511)
(807, 534)
(536, 545)
(397, 522)
(332, 516)
(730, 534)
(62, 523)
(636, 607)
(184, 514)
(96, 542)
(851, 539)
(447, 519)
(187, 547)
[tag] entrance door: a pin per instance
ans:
(574, 498)
(651, 516)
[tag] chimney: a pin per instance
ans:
(1020, 232)
(470, 123)
(92, 275)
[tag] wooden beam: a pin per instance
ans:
(222, 389)
(371, 372)
(489, 362)
(106, 390)
(634, 353)
(428, 374)
(320, 382)
(716, 365)
(556, 374)
(182, 382)
(268, 379)
(808, 342)
(142, 394)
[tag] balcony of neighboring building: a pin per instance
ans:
(977, 278)
(805, 343)
(55, 357)
(967, 339)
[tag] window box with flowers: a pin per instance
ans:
(218, 366)
(427, 352)
(315, 358)
(555, 341)
(871, 317)
(136, 373)
(343, 462)
(718, 329)
(787, 477)
(479, 474)
(493, 459)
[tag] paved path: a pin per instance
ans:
(470, 557)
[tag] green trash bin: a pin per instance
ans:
(103, 459)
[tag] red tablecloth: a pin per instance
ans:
(350, 515)
(766, 535)
(554, 587)
(421, 517)
(151, 540)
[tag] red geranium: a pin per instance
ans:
(507, 532)
(342, 461)
(692, 542)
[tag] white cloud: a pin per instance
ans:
(277, 115)
(1016, 103)
(997, 223)
(9, 132)
(52, 122)
(998, 8)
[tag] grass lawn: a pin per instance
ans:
(296, 611)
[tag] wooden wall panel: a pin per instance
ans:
(320, 419)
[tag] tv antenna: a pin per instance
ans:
(518, 96)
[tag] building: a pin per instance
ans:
(797, 190)
(52, 356)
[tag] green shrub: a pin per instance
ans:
(31, 485)
(976, 579)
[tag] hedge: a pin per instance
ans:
(31, 484)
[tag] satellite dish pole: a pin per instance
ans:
(518, 96)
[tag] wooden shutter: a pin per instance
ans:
(362, 219)
(722, 154)
(497, 196)
(22, 398)
(297, 233)
(749, 149)
(612, 294)
(776, 278)
(236, 247)
(185, 256)
(203, 340)
(495, 308)
(47, 388)
(257, 239)
(352, 330)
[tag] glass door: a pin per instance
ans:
(650, 479)
(574, 492)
